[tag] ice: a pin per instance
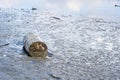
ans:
(83, 48)
(4, 76)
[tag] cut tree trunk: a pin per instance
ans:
(34, 46)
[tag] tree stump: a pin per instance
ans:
(34, 46)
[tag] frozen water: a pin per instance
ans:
(84, 48)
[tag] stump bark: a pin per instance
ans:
(34, 46)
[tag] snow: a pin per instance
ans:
(83, 47)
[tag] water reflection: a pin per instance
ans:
(74, 7)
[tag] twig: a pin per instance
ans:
(4, 45)
(54, 76)
(56, 18)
